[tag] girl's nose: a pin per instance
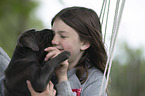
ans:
(55, 41)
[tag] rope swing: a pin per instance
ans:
(115, 28)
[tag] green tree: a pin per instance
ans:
(16, 17)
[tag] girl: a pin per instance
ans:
(78, 30)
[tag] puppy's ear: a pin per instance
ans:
(27, 39)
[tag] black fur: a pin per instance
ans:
(28, 63)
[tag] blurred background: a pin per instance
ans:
(127, 72)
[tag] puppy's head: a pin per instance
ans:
(35, 40)
(45, 37)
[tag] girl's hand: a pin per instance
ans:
(52, 52)
(61, 72)
(48, 92)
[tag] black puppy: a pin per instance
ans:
(28, 63)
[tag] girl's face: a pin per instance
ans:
(67, 39)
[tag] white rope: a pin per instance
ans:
(114, 39)
(102, 12)
(115, 28)
(106, 20)
(104, 74)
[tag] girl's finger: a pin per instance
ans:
(50, 89)
(54, 92)
(51, 86)
(52, 54)
(32, 91)
(50, 49)
(49, 56)
(47, 88)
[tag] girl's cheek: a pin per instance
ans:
(67, 47)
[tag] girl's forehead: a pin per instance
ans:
(61, 27)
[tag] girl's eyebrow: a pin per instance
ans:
(63, 32)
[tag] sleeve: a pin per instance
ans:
(4, 61)
(64, 89)
(92, 88)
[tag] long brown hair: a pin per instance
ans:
(87, 24)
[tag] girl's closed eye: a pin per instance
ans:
(63, 36)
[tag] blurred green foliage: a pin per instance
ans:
(128, 78)
(16, 17)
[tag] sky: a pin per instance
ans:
(132, 25)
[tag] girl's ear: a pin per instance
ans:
(85, 45)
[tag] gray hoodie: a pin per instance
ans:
(91, 87)
(4, 61)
